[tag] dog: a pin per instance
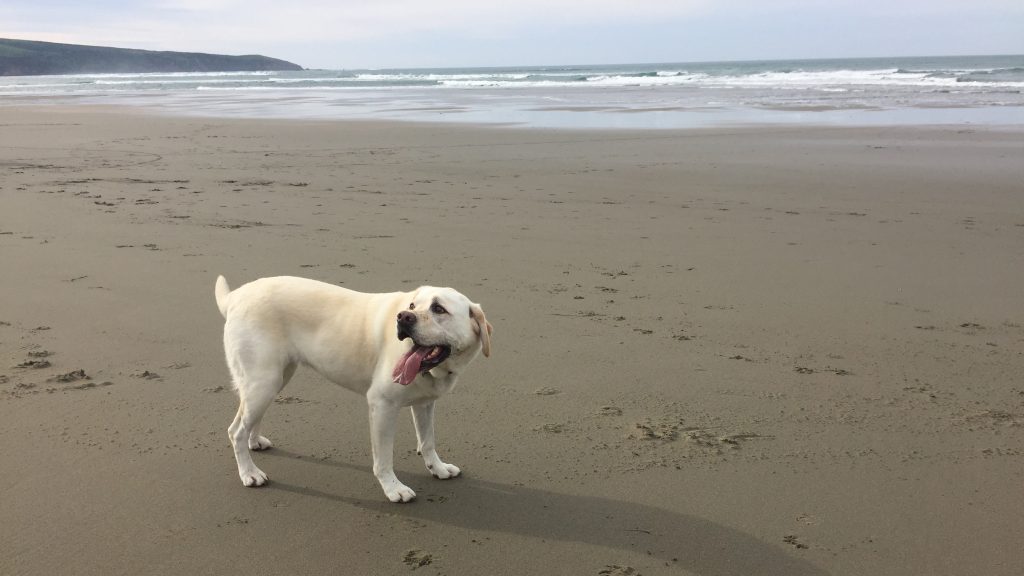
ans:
(398, 349)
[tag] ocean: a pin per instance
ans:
(985, 90)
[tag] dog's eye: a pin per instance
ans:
(438, 309)
(412, 305)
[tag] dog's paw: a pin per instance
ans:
(444, 471)
(260, 443)
(253, 477)
(399, 493)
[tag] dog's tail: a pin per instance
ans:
(221, 291)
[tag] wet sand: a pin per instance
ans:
(792, 351)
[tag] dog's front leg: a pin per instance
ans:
(382, 438)
(423, 418)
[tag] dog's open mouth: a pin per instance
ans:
(418, 360)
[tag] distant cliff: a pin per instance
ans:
(29, 58)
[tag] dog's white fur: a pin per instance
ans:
(274, 324)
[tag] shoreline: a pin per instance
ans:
(503, 108)
(838, 92)
(781, 350)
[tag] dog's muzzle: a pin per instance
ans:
(419, 358)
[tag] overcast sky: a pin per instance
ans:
(425, 33)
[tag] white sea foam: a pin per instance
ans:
(995, 84)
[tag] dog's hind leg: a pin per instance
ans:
(256, 441)
(255, 395)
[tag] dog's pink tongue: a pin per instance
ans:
(408, 366)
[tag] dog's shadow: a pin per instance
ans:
(690, 542)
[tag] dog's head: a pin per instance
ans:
(444, 326)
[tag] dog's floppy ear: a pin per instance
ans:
(483, 327)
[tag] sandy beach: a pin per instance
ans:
(749, 351)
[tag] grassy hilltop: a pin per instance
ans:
(31, 58)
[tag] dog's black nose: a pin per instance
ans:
(406, 324)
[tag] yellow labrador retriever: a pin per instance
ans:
(398, 349)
